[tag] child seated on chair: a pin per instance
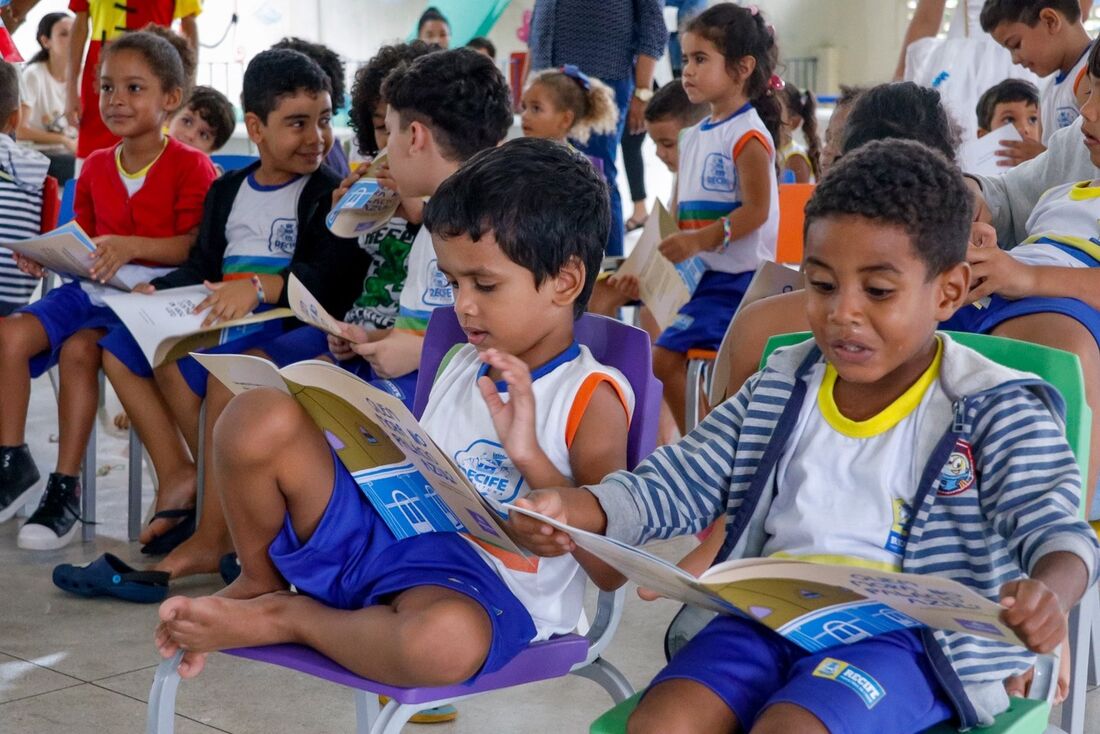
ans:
(22, 177)
(879, 443)
(519, 233)
(205, 122)
(1012, 102)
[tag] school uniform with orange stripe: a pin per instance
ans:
(1058, 99)
(458, 421)
(708, 187)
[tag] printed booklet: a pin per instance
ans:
(665, 287)
(366, 206)
(308, 309)
(814, 605)
(68, 250)
(410, 481)
(163, 325)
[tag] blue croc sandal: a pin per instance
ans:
(109, 576)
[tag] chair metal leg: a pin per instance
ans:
(87, 491)
(1094, 641)
(393, 717)
(1080, 625)
(695, 371)
(134, 510)
(609, 678)
(200, 463)
(161, 715)
(366, 711)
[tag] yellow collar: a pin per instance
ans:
(138, 174)
(1083, 190)
(889, 417)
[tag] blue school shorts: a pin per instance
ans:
(256, 336)
(66, 310)
(881, 684)
(703, 320)
(353, 561)
(985, 320)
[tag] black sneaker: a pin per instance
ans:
(18, 475)
(55, 522)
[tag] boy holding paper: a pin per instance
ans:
(881, 444)
(519, 233)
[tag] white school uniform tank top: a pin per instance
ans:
(458, 420)
(708, 187)
(1067, 215)
(1058, 98)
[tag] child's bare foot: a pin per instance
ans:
(122, 421)
(193, 556)
(176, 491)
(211, 623)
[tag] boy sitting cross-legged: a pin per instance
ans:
(819, 455)
(519, 234)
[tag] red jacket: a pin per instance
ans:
(169, 203)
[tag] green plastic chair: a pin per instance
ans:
(1063, 371)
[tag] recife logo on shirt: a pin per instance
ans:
(284, 234)
(719, 173)
(958, 474)
(438, 291)
(1065, 115)
(489, 469)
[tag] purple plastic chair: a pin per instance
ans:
(616, 344)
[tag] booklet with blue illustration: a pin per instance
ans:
(814, 605)
(410, 481)
(67, 251)
(366, 205)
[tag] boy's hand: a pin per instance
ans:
(111, 252)
(628, 285)
(995, 271)
(231, 299)
(349, 180)
(385, 178)
(535, 535)
(514, 421)
(28, 266)
(340, 348)
(680, 246)
(144, 288)
(1015, 152)
(395, 355)
(982, 235)
(1034, 613)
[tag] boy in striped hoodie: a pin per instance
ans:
(880, 443)
(22, 176)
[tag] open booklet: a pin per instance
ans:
(366, 206)
(980, 155)
(68, 250)
(410, 481)
(816, 606)
(308, 309)
(165, 327)
(665, 287)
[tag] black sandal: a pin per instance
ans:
(169, 539)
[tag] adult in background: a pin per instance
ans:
(616, 41)
(43, 124)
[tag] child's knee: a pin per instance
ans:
(783, 718)
(667, 363)
(447, 641)
(81, 352)
(257, 424)
(654, 719)
(17, 337)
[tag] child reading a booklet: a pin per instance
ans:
(259, 224)
(519, 232)
(879, 444)
(141, 202)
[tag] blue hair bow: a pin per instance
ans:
(573, 72)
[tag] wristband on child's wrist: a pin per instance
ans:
(259, 286)
(726, 233)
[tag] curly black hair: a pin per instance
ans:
(901, 110)
(326, 58)
(216, 111)
(366, 90)
(906, 184)
(460, 94)
(544, 203)
(995, 12)
(277, 73)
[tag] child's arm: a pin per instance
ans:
(113, 251)
(755, 171)
(397, 353)
(698, 559)
(77, 41)
(1037, 607)
(996, 271)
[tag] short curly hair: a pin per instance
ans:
(276, 73)
(901, 110)
(329, 61)
(366, 90)
(216, 111)
(459, 94)
(906, 184)
(544, 203)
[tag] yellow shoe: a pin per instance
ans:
(437, 715)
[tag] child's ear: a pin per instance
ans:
(954, 286)
(255, 127)
(569, 282)
(1051, 19)
(982, 132)
(172, 102)
(420, 137)
(745, 66)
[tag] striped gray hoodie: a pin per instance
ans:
(1023, 506)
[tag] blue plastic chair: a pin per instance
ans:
(233, 162)
(68, 197)
(612, 342)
